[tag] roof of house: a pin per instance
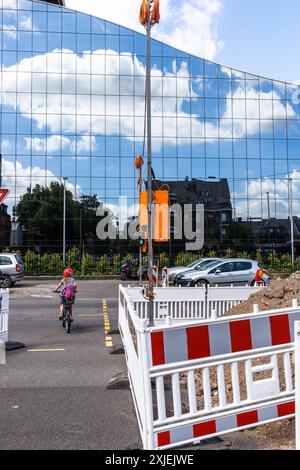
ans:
(57, 2)
(215, 195)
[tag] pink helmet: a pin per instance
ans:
(68, 272)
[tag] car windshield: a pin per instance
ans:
(193, 264)
(207, 264)
(19, 259)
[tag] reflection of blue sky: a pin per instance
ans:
(209, 120)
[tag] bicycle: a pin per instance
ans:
(67, 313)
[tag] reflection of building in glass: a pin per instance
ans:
(72, 104)
(273, 234)
(57, 2)
(215, 197)
(5, 226)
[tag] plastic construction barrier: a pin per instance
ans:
(197, 379)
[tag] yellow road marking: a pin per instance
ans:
(45, 350)
(107, 328)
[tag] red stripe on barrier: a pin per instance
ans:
(240, 332)
(158, 348)
(244, 419)
(163, 439)
(280, 329)
(204, 429)
(286, 409)
(198, 342)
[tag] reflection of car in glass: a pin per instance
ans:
(225, 273)
(173, 272)
(12, 269)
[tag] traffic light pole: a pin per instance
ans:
(149, 170)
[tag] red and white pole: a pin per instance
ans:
(165, 277)
(155, 276)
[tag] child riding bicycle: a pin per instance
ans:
(67, 295)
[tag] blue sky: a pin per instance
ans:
(65, 120)
(259, 36)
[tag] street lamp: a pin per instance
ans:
(269, 219)
(220, 212)
(65, 178)
(290, 203)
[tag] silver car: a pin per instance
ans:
(12, 269)
(200, 263)
(225, 273)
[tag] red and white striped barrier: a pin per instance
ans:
(165, 277)
(225, 423)
(222, 338)
(155, 276)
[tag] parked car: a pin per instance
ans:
(225, 273)
(199, 264)
(12, 269)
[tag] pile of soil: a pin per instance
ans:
(280, 294)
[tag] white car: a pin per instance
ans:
(226, 273)
(11, 269)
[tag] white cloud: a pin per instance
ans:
(190, 25)
(18, 178)
(254, 201)
(10, 31)
(54, 143)
(98, 109)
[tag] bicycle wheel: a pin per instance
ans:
(68, 321)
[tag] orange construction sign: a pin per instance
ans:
(161, 221)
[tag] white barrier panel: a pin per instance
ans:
(190, 303)
(171, 302)
(215, 377)
(223, 299)
(4, 309)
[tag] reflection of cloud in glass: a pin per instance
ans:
(100, 77)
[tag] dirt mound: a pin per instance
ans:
(279, 294)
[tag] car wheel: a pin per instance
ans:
(201, 283)
(261, 283)
(5, 281)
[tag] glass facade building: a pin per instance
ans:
(72, 104)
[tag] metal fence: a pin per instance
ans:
(192, 380)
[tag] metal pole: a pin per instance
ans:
(290, 195)
(269, 218)
(140, 263)
(149, 168)
(0, 169)
(64, 222)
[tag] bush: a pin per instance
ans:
(74, 260)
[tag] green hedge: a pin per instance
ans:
(86, 264)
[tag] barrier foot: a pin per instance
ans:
(116, 349)
(13, 345)
(113, 332)
(2, 354)
(119, 382)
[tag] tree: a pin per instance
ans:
(40, 213)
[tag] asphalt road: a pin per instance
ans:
(53, 392)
